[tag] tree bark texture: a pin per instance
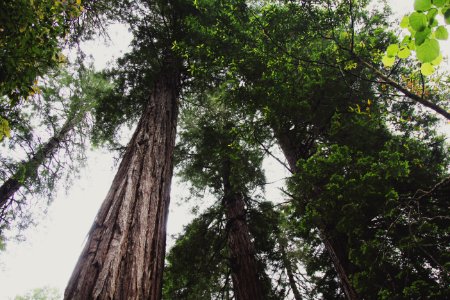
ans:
(124, 254)
(244, 272)
(337, 257)
(20, 178)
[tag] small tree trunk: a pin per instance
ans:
(340, 267)
(288, 266)
(337, 258)
(124, 254)
(20, 178)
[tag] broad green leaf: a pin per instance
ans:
(437, 61)
(388, 61)
(392, 50)
(441, 33)
(405, 22)
(418, 21)
(427, 69)
(439, 3)
(5, 130)
(447, 16)
(404, 53)
(428, 51)
(422, 5)
(406, 40)
(421, 36)
(432, 13)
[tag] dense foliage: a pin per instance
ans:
(31, 38)
(365, 212)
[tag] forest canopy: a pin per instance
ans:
(329, 89)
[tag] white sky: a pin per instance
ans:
(51, 249)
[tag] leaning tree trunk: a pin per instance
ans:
(244, 271)
(338, 259)
(124, 254)
(29, 169)
(289, 268)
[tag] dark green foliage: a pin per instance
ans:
(211, 133)
(31, 38)
(197, 265)
(364, 193)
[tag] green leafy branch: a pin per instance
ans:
(425, 33)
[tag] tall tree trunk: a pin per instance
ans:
(30, 167)
(124, 254)
(244, 272)
(337, 257)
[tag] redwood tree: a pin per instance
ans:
(124, 254)
(214, 154)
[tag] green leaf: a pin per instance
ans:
(432, 14)
(428, 51)
(439, 3)
(421, 36)
(447, 16)
(406, 40)
(422, 5)
(437, 61)
(427, 69)
(405, 22)
(434, 23)
(418, 21)
(441, 33)
(392, 50)
(404, 53)
(388, 61)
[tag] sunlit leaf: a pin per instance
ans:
(404, 53)
(388, 61)
(421, 36)
(437, 61)
(427, 69)
(441, 33)
(428, 51)
(405, 22)
(392, 50)
(432, 13)
(418, 21)
(439, 3)
(447, 16)
(422, 5)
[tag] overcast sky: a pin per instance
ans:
(51, 249)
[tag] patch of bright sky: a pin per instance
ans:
(51, 249)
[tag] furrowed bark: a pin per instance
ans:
(20, 178)
(124, 254)
(337, 258)
(244, 274)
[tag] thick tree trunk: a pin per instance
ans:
(336, 256)
(244, 272)
(124, 254)
(20, 178)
